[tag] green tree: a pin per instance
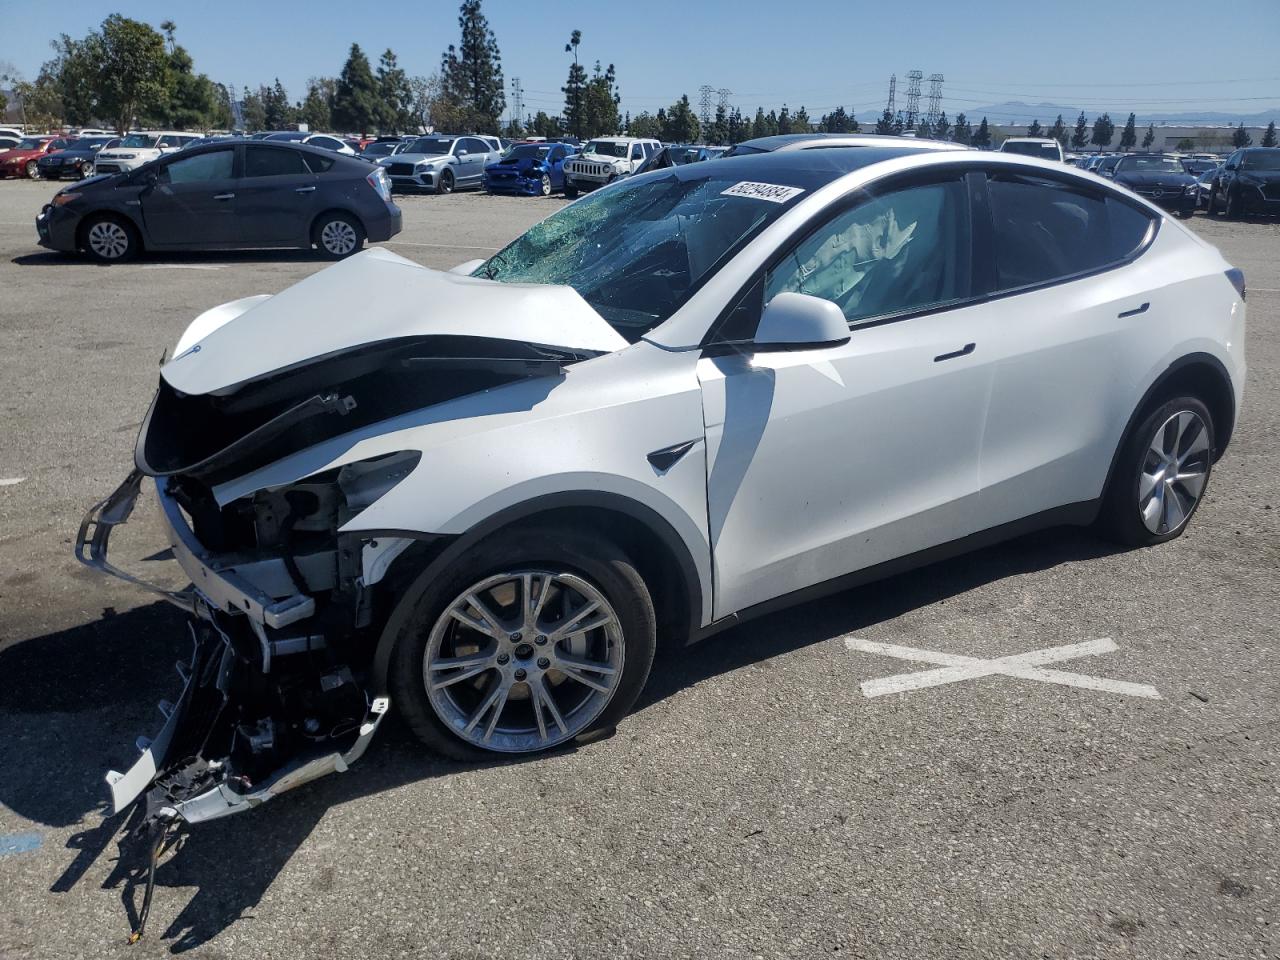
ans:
(924, 129)
(838, 121)
(719, 132)
(1240, 137)
(982, 136)
(599, 104)
(316, 110)
(1059, 132)
(643, 124)
(545, 126)
(1104, 132)
(1129, 135)
(1080, 138)
(681, 123)
(77, 79)
(784, 120)
(252, 113)
(575, 87)
(356, 105)
(800, 122)
(1149, 137)
(133, 70)
(426, 91)
(396, 94)
(1269, 138)
(739, 127)
(1184, 144)
(760, 127)
(275, 104)
(942, 127)
(963, 132)
(884, 126)
(1035, 130)
(471, 73)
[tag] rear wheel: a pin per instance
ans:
(1161, 475)
(338, 235)
(109, 239)
(527, 642)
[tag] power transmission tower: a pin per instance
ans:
(517, 100)
(935, 99)
(891, 107)
(724, 93)
(704, 103)
(913, 98)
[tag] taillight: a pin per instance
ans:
(1236, 276)
(378, 180)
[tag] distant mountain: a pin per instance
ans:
(1017, 112)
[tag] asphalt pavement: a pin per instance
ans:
(760, 802)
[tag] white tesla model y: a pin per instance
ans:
(698, 395)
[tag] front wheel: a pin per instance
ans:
(570, 189)
(527, 642)
(445, 183)
(545, 187)
(33, 170)
(1161, 474)
(109, 239)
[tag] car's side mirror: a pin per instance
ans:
(461, 153)
(797, 321)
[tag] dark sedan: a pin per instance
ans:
(222, 196)
(75, 160)
(1249, 182)
(1161, 179)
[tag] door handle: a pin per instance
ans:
(1134, 312)
(224, 196)
(304, 190)
(964, 351)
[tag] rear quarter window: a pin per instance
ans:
(318, 164)
(1047, 231)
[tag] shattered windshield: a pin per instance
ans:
(637, 251)
(606, 148)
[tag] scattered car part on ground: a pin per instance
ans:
(223, 196)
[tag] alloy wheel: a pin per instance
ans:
(1174, 473)
(338, 237)
(524, 660)
(33, 170)
(546, 185)
(108, 240)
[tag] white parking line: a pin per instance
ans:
(11, 481)
(180, 266)
(441, 246)
(1024, 666)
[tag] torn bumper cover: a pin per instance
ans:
(248, 724)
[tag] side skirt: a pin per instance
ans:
(1073, 514)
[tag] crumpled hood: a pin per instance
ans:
(372, 297)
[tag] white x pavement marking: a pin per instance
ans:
(1026, 666)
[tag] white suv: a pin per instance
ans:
(140, 147)
(605, 159)
(1046, 148)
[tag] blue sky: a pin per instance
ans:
(1100, 54)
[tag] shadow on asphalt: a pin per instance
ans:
(83, 694)
(177, 259)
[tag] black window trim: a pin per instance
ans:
(1071, 183)
(982, 231)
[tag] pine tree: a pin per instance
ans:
(1080, 138)
(982, 136)
(1128, 136)
(963, 133)
(316, 111)
(599, 104)
(924, 129)
(800, 122)
(759, 128)
(1059, 132)
(396, 94)
(884, 126)
(1104, 132)
(942, 129)
(1240, 137)
(1269, 138)
(784, 120)
(471, 73)
(1035, 130)
(719, 133)
(356, 106)
(681, 124)
(1149, 137)
(275, 104)
(574, 87)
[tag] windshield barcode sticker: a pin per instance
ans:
(773, 192)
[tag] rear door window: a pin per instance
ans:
(272, 162)
(1047, 231)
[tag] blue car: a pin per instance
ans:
(529, 169)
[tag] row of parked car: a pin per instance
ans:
(1247, 181)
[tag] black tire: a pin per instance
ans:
(32, 170)
(593, 558)
(337, 235)
(1120, 519)
(1233, 205)
(1211, 208)
(109, 238)
(570, 190)
(444, 184)
(1184, 214)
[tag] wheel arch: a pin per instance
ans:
(1200, 374)
(314, 230)
(661, 556)
(111, 214)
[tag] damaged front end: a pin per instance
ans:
(285, 606)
